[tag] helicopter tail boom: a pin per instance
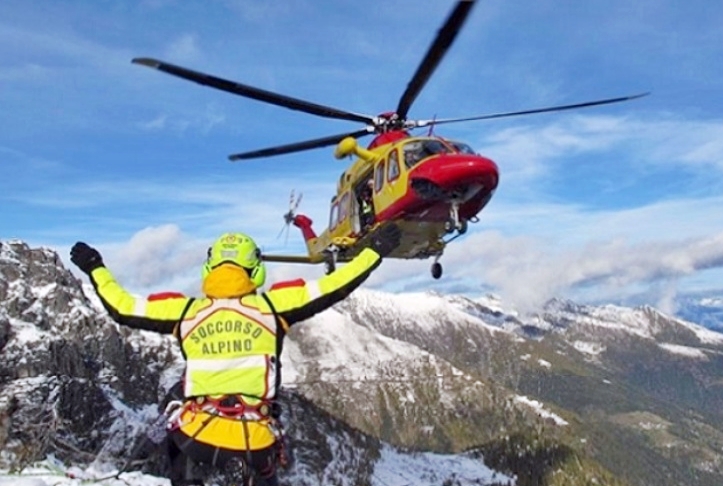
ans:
(304, 224)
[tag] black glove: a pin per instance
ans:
(386, 239)
(85, 257)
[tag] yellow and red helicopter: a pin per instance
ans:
(428, 185)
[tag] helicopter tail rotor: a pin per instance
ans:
(294, 201)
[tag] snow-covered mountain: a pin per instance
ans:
(706, 310)
(387, 389)
(614, 378)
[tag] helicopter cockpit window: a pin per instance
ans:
(417, 150)
(379, 177)
(393, 167)
(462, 148)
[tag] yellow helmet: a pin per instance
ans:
(238, 249)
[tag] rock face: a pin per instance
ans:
(64, 364)
(571, 395)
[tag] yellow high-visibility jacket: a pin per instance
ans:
(231, 338)
(233, 326)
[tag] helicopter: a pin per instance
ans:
(430, 186)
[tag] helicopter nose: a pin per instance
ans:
(451, 173)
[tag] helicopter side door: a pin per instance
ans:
(390, 181)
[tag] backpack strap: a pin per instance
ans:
(281, 328)
(177, 330)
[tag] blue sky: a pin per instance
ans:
(616, 203)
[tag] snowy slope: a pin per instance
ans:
(393, 469)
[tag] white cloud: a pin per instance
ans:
(527, 272)
(158, 123)
(203, 123)
(626, 144)
(155, 256)
(48, 46)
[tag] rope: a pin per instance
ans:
(377, 380)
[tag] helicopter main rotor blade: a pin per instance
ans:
(299, 146)
(445, 38)
(426, 123)
(251, 92)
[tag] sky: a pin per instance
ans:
(620, 203)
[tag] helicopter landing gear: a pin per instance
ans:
(448, 226)
(330, 260)
(462, 229)
(436, 268)
(454, 222)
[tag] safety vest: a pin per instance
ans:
(366, 206)
(230, 349)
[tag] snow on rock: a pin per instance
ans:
(333, 348)
(393, 469)
(705, 335)
(592, 349)
(540, 409)
(427, 309)
(92, 296)
(333, 341)
(53, 475)
(684, 350)
(430, 469)
(544, 364)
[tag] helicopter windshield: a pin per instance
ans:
(417, 150)
(462, 147)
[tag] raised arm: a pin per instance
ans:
(298, 300)
(126, 309)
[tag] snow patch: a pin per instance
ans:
(540, 409)
(585, 347)
(430, 469)
(683, 350)
(52, 472)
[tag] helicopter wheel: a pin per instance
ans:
(449, 225)
(436, 270)
(462, 227)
